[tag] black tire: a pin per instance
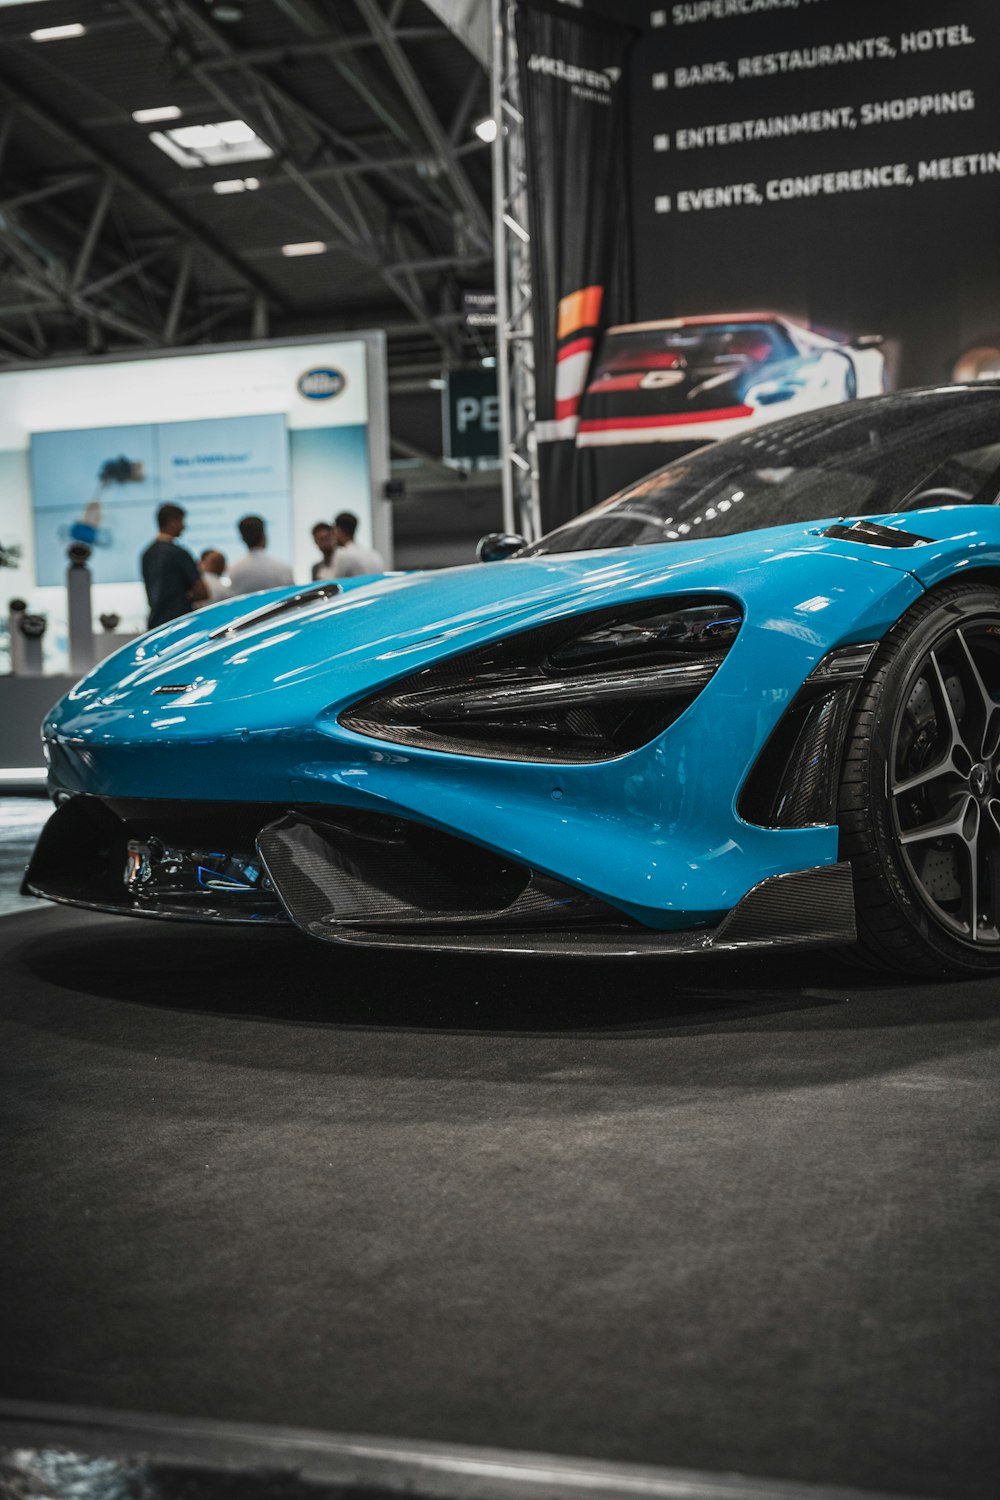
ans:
(917, 823)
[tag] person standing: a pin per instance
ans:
(173, 584)
(351, 560)
(258, 570)
(212, 566)
(322, 534)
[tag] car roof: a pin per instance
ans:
(739, 317)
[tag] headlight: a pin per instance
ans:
(585, 689)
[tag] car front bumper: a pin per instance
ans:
(378, 881)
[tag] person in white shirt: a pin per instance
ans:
(351, 560)
(257, 570)
(212, 566)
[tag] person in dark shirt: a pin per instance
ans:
(173, 582)
(323, 537)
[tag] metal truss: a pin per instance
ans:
(512, 258)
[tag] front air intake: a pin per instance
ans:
(794, 781)
(585, 689)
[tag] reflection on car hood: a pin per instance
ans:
(377, 630)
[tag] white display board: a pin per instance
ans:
(291, 432)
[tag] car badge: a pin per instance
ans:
(171, 688)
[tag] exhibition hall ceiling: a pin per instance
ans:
(180, 171)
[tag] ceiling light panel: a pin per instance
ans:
(158, 112)
(305, 247)
(236, 185)
(217, 145)
(57, 33)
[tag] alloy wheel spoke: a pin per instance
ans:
(989, 865)
(945, 767)
(952, 827)
(993, 808)
(956, 736)
(991, 735)
(991, 710)
(970, 839)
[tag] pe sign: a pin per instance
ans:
(471, 415)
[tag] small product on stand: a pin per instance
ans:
(15, 611)
(78, 605)
(30, 629)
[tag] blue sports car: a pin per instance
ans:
(751, 702)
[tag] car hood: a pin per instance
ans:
(286, 668)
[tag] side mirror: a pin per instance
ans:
(499, 544)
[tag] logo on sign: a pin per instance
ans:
(321, 384)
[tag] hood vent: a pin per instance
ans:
(300, 600)
(871, 534)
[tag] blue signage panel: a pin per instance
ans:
(112, 479)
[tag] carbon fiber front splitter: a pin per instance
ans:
(375, 881)
(343, 886)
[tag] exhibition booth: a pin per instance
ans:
(89, 451)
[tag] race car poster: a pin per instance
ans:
(815, 217)
(571, 71)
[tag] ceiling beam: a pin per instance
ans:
(317, 47)
(89, 243)
(177, 297)
(52, 281)
(66, 184)
(43, 115)
(357, 239)
(363, 166)
(167, 22)
(434, 132)
(384, 101)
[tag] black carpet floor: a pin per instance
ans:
(732, 1217)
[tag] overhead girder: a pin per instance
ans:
(72, 271)
(69, 245)
(319, 46)
(356, 236)
(424, 164)
(63, 289)
(434, 132)
(404, 112)
(45, 277)
(45, 264)
(81, 270)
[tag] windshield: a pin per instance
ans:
(863, 458)
(660, 347)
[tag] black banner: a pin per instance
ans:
(816, 216)
(571, 68)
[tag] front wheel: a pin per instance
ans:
(920, 789)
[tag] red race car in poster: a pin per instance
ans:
(692, 380)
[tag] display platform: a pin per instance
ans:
(728, 1217)
(24, 702)
(64, 1450)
